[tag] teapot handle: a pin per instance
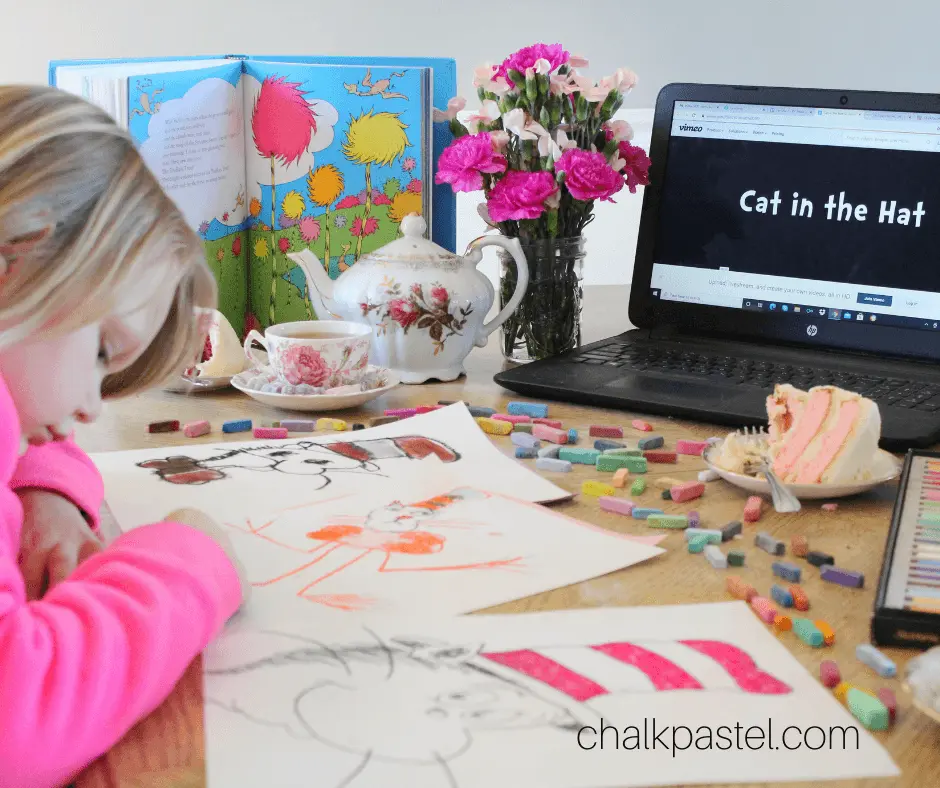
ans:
(511, 245)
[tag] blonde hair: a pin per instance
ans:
(81, 215)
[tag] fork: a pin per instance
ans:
(783, 499)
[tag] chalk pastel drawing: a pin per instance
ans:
(514, 700)
(302, 458)
(396, 529)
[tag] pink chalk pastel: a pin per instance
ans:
(512, 419)
(753, 508)
(765, 609)
(269, 432)
(426, 409)
(550, 434)
(831, 507)
(687, 491)
(196, 428)
(694, 448)
(401, 412)
(643, 426)
(616, 505)
(548, 422)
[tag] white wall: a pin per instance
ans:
(841, 44)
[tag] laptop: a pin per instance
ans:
(788, 235)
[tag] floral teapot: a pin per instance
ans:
(426, 305)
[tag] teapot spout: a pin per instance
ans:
(319, 284)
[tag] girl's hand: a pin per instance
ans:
(55, 539)
(199, 520)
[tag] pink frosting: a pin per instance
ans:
(814, 416)
(830, 445)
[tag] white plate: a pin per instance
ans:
(185, 386)
(312, 403)
(887, 467)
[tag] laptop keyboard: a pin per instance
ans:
(886, 391)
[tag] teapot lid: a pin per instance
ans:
(412, 247)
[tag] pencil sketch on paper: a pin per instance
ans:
(303, 458)
(415, 529)
(422, 703)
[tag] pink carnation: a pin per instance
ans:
(588, 175)
(525, 58)
(521, 195)
(637, 168)
(462, 162)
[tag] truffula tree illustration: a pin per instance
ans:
(374, 139)
(282, 125)
(324, 186)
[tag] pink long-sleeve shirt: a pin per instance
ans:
(101, 650)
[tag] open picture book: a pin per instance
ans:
(271, 155)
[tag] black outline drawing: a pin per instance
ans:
(365, 666)
(303, 458)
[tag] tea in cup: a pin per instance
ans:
(318, 353)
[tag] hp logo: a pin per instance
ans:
(811, 330)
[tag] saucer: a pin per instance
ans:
(332, 399)
(885, 468)
(184, 385)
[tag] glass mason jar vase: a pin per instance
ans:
(547, 321)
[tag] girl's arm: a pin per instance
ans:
(103, 648)
(62, 467)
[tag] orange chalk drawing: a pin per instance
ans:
(386, 532)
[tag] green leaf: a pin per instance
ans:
(517, 77)
(425, 321)
(532, 88)
(581, 109)
(545, 119)
(436, 332)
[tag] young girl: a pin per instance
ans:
(99, 281)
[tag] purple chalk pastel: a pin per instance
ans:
(694, 519)
(844, 577)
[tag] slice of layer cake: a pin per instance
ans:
(822, 436)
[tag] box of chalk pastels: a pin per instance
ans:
(907, 604)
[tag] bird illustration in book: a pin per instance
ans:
(148, 103)
(379, 88)
(383, 704)
(413, 529)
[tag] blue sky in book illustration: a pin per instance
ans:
(189, 127)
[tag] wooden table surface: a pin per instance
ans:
(166, 749)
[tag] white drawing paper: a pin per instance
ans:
(441, 550)
(235, 480)
(519, 700)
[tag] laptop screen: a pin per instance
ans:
(795, 211)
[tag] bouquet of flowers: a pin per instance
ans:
(543, 148)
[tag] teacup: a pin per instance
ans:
(319, 353)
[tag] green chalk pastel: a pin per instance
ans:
(638, 486)
(807, 632)
(605, 462)
(697, 544)
(623, 452)
(735, 558)
(869, 711)
(667, 521)
(579, 456)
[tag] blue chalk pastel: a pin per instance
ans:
(551, 464)
(781, 595)
(877, 661)
(525, 440)
(477, 412)
(572, 436)
(237, 425)
(602, 444)
(652, 442)
(640, 513)
(787, 571)
(534, 409)
(711, 535)
(526, 452)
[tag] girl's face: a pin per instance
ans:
(55, 382)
